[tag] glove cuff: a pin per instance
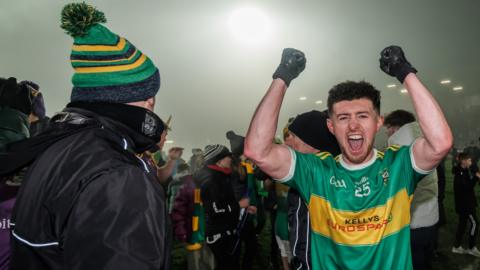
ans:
(284, 74)
(404, 71)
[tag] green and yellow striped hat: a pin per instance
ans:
(108, 68)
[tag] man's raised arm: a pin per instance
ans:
(271, 158)
(437, 138)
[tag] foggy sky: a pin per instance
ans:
(211, 82)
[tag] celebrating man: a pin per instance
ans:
(359, 202)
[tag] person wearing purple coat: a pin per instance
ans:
(8, 194)
(188, 224)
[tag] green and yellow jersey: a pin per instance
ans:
(360, 215)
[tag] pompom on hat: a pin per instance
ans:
(108, 68)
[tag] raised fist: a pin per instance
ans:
(175, 153)
(292, 64)
(393, 62)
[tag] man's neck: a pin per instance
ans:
(357, 166)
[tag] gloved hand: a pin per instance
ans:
(14, 96)
(292, 64)
(394, 63)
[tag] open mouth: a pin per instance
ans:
(355, 142)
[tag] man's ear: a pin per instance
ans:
(151, 102)
(330, 126)
(380, 120)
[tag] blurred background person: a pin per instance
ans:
(245, 187)
(307, 133)
(464, 181)
(402, 129)
(222, 210)
(37, 118)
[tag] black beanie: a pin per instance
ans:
(236, 143)
(311, 128)
(15, 96)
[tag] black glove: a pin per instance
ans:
(394, 63)
(14, 96)
(292, 64)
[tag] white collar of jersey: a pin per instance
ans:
(359, 166)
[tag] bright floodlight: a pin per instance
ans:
(445, 82)
(391, 85)
(318, 102)
(249, 25)
(457, 88)
(403, 91)
(169, 141)
(303, 98)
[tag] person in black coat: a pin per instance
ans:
(222, 210)
(464, 182)
(87, 201)
(15, 105)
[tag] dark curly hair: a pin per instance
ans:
(398, 118)
(351, 90)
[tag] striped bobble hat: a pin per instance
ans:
(108, 68)
(214, 153)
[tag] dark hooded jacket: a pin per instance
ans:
(88, 202)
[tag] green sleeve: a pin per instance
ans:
(303, 171)
(412, 173)
(418, 173)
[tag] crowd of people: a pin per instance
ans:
(91, 187)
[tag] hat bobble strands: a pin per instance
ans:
(78, 18)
